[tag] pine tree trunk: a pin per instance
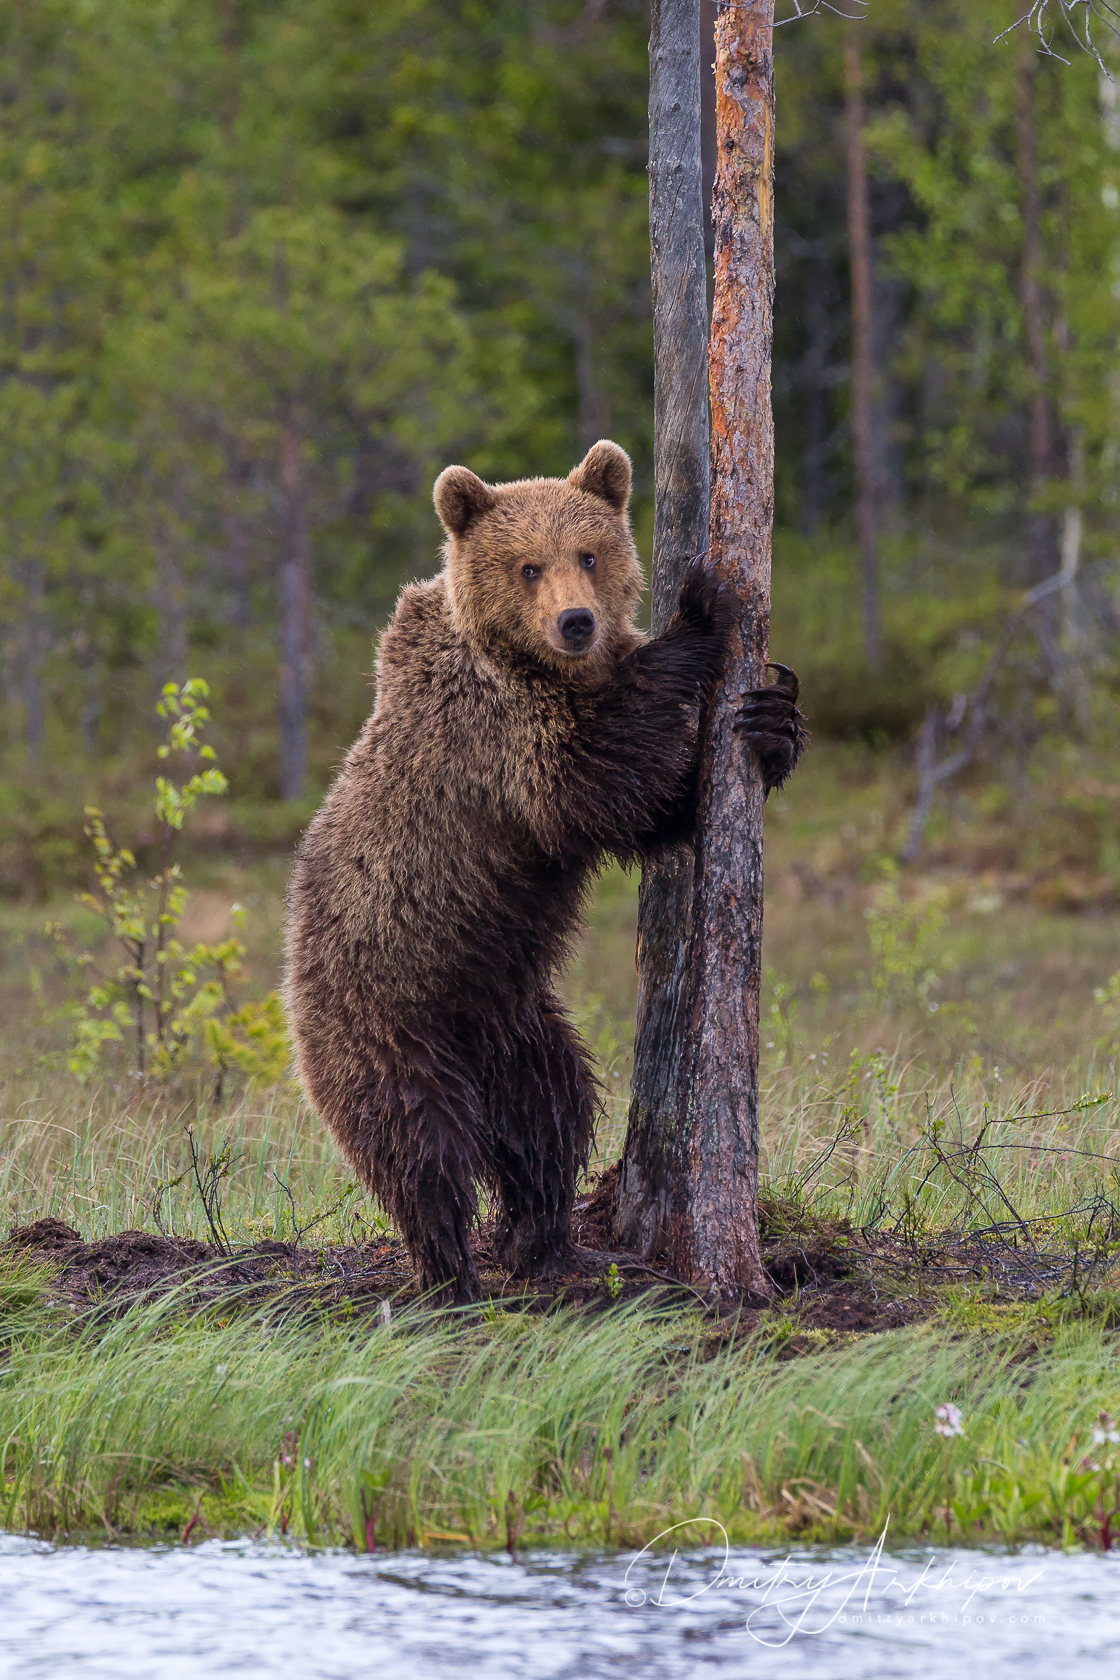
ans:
(295, 597)
(863, 373)
(680, 531)
(695, 1159)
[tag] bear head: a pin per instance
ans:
(545, 566)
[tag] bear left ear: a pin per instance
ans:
(604, 472)
(461, 496)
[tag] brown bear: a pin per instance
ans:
(523, 730)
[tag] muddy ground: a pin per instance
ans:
(828, 1277)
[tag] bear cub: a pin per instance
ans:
(523, 730)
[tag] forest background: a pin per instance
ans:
(267, 265)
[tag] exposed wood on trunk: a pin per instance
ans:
(680, 531)
(295, 595)
(707, 1208)
(863, 372)
(1040, 523)
(715, 1235)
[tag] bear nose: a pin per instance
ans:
(577, 626)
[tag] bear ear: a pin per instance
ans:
(604, 472)
(460, 496)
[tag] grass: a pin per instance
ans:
(514, 1428)
(937, 1075)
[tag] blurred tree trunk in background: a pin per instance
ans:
(1040, 519)
(295, 602)
(863, 369)
(36, 640)
(689, 1183)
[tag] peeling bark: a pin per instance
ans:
(680, 531)
(690, 1174)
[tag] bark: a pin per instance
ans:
(680, 531)
(295, 594)
(705, 1205)
(863, 371)
(1040, 522)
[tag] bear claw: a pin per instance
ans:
(772, 725)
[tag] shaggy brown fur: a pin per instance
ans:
(523, 729)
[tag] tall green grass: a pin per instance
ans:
(514, 1428)
(849, 1140)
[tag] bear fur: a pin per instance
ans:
(523, 730)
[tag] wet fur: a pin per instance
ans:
(434, 894)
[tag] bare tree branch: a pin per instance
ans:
(854, 9)
(1042, 18)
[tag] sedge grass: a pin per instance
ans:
(854, 1143)
(515, 1428)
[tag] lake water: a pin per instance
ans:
(252, 1609)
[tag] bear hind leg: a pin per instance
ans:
(542, 1108)
(422, 1159)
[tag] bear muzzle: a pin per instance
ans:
(576, 628)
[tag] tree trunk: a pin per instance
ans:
(239, 541)
(35, 641)
(705, 1209)
(863, 371)
(1040, 523)
(680, 531)
(295, 594)
(171, 599)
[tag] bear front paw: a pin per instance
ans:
(773, 727)
(704, 604)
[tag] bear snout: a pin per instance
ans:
(576, 627)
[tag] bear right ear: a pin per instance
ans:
(604, 472)
(461, 496)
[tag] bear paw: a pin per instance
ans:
(773, 727)
(704, 604)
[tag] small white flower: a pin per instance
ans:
(948, 1421)
(220, 1370)
(307, 1464)
(1106, 1431)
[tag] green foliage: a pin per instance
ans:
(254, 246)
(776, 1027)
(900, 932)
(1107, 998)
(166, 1001)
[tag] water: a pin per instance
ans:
(75, 1613)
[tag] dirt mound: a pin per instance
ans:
(830, 1279)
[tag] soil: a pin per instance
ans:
(826, 1277)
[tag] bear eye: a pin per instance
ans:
(587, 561)
(530, 573)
